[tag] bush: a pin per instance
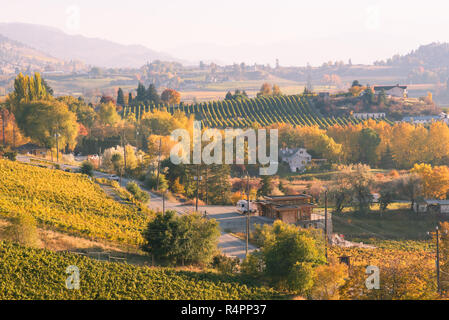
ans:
(224, 264)
(10, 155)
(151, 182)
(187, 239)
(138, 193)
(23, 230)
(87, 168)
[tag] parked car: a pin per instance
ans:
(114, 177)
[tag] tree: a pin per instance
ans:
(265, 90)
(410, 187)
(177, 187)
(327, 281)
(170, 96)
(106, 99)
(120, 97)
(435, 180)
(152, 179)
(189, 238)
(276, 90)
(141, 93)
(138, 193)
(117, 163)
(85, 113)
(288, 254)
(219, 184)
(266, 187)
(87, 168)
(42, 120)
(107, 114)
(152, 95)
(369, 141)
(23, 230)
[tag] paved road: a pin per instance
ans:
(228, 219)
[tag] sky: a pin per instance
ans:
(253, 31)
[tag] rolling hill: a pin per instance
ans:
(93, 51)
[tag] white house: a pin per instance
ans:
(394, 91)
(428, 206)
(297, 158)
(427, 119)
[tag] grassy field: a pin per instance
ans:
(399, 224)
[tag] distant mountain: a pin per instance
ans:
(93, 51)
(16, 56)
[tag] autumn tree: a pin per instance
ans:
(170, 96)
(265, 90)
(42, 120)
(435, 180)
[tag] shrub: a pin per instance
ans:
(10, 155)
(87, 168)
(138, 193)
(175, 239)
(225, 264)
(23, 230)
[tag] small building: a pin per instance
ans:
(368, 115)
(393, 91)
(431, 206)
(31, 148)
(426, 119)
(297, 158)
(295, 209)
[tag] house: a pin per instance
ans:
(295, 209)
(426, 119)
(393, 91)
(431, 206)
(31, 148)
(297, 158)
(367, 115)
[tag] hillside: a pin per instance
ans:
(433, 55)
(14, 54)
(40, 274)
(93, 51)
(67, 202)
(265, 111)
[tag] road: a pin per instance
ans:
(230, 221)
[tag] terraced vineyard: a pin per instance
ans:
(67, 202)
(264, 111)
(40, 274)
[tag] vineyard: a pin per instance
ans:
(264, 111)
(67, 202)
(405, 272)
(40, 274)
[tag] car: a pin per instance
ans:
(114, 177)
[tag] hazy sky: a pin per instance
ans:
(294, 31)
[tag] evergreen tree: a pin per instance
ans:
(130, 98)
(386, 161)
(152, 95)
(266, 187)
(120, 97)
(141, 93)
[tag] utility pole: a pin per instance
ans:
(163, 202)
(158, 164)
(247, 213)
(325, 222)
(438, 260)
(124, 149)
(197, 178)
(57, 147)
